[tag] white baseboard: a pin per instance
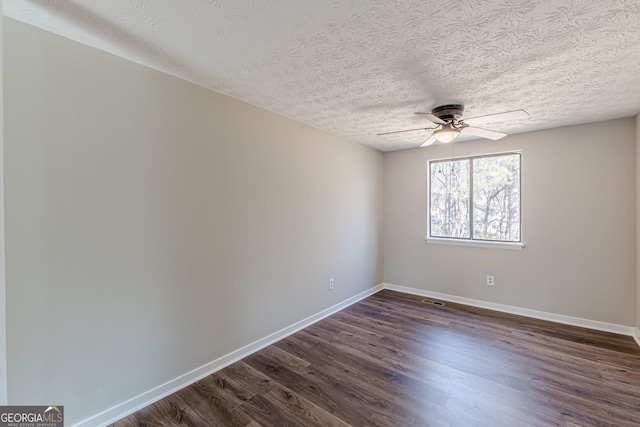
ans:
(542, 315)
(123, 409)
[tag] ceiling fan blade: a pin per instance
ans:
(400, 131)
(432, 118)
(509, 115)
(482, 133)
(429, 141)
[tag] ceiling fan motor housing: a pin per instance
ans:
(449, 113)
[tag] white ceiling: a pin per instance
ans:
(360, 67)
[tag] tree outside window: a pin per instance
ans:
(475, 198)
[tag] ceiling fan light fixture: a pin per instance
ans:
(447, 134)
(450, 124)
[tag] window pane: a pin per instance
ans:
(450, 199)
(496, 198)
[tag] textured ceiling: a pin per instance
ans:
(360, 67)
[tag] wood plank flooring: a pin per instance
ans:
(392, 360)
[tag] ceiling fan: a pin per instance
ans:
(450, 124)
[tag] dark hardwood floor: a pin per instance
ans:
(392, 360)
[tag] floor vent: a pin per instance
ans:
(428, 301)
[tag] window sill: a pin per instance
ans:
(517, 246)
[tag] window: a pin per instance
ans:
(475, 198)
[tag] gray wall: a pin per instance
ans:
(154, 226)
(3, 330)
(578, 225)
(638, 222)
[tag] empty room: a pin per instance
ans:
(338, 213)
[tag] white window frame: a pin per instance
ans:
(471, 241)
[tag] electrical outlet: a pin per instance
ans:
(331, 284)
(490, 281)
